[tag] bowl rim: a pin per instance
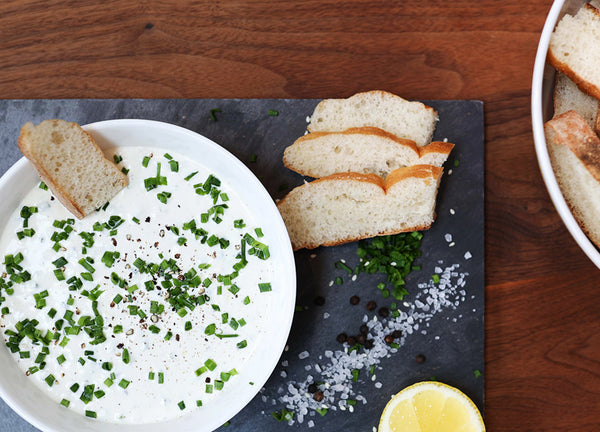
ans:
(540, 139)
(22, 166)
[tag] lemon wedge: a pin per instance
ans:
(431, 406)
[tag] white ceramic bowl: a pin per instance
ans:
(541, 110)
(38, 409)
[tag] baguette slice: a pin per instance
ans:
(72, 165)
(567, 97)
(575, 156)
(409, 120)
(575, 49)
(362, 150)
(345, 207)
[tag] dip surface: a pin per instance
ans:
(146, 309)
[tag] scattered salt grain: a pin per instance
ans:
(335, 367)
(326, 315)
(310, 424)
(283, 374)
(448, 237)
(452, 211)
(468, 255)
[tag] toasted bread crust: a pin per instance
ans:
(57, 190)
(583, 85)
(369, 178)
(415, 171)
(380, 93)
(571, 130)
(436, 147)
(120, 180)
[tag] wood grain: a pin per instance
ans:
(542, 322)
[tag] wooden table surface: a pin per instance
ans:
(542, 317)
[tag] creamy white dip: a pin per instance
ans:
(170, 349)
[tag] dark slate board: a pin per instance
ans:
(245, 127)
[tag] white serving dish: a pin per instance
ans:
(38, 409)
(541, 110)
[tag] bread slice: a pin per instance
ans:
(567, 97)
(574, 151)
(72, 165)
(575, 49)
(362, 150)
(409, 120)
(345, 207)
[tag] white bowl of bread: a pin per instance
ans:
(564, 102)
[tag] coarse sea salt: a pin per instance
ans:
(334, 370)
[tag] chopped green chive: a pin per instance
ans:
(264, 287)
(124, 383)
(50, 380)
(213, 111)
(188, 178)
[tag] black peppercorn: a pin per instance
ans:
(312, 388)
(354, 300)
(318, 396)
(342, 337)
(371, 306)
(384, 312)
(420, 358)
(364, 329)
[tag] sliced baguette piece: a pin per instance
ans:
(574, 151)
(362, 150)
(567, 97)
(575, 49)
(345, 207)
(409, 120)
(72, 165)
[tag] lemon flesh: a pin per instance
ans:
(431, 407)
